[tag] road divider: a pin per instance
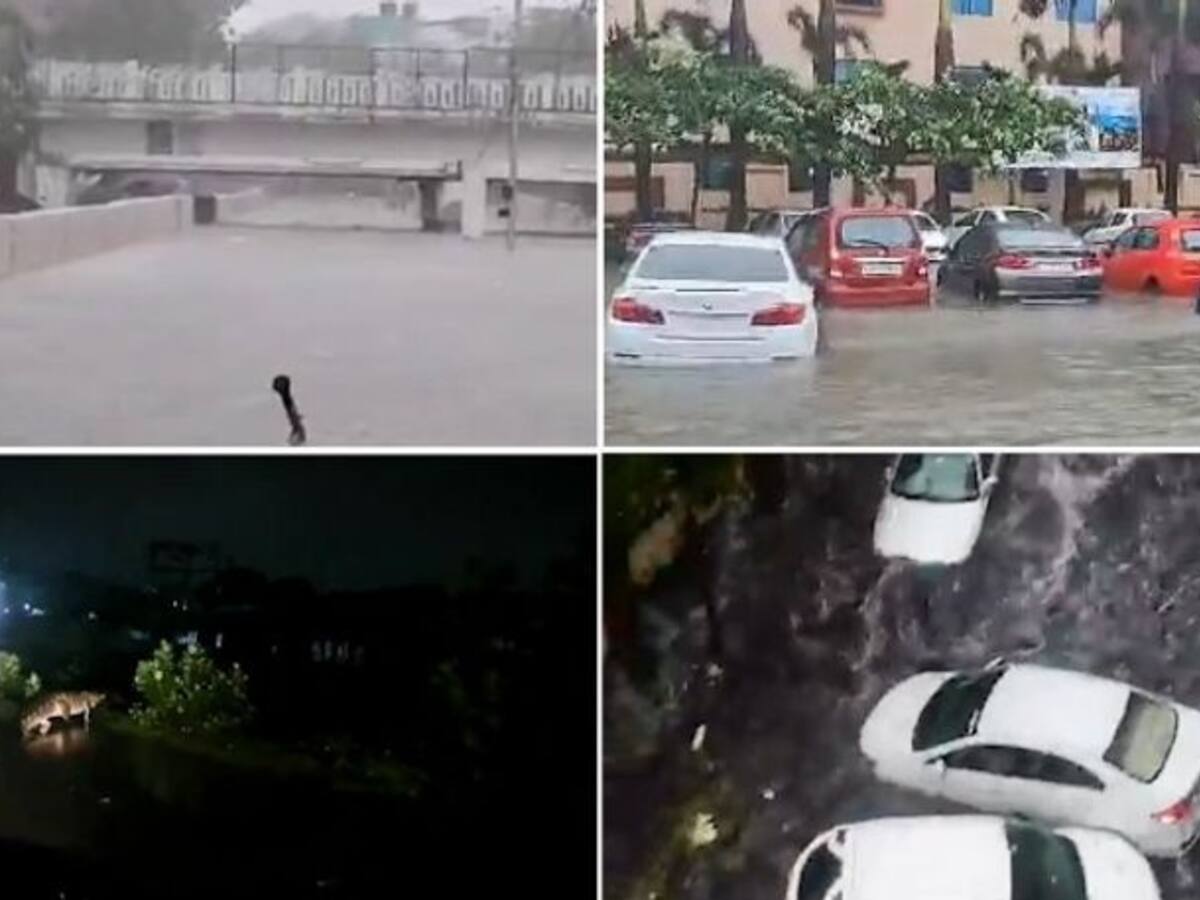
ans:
(39, 240)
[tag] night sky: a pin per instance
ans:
(343, 522)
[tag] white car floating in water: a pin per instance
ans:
(968, 858)
(1051, 744)
(934, 505)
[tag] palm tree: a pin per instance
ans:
(821, 40)
(739, 55)
(1156, 26)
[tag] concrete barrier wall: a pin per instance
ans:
(38, 240)
(230, 207)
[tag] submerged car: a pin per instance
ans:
(1117, 222)
(862, 257)
(1045, 264)
(932, 237)
(1056, 745)
(994, 215)
(697, 297)
(968, 858)
(934, 505)
(1159, 258)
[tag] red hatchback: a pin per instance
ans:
(1163, 257)
(862, 257)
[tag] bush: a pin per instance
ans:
(14, 685)
(186, 692)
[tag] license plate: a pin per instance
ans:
(881, 268)
(1056, 267)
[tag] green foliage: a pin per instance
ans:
(186, 692)
(16, 685)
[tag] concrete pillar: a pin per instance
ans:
(474, 202)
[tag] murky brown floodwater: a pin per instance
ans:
(1125, 371)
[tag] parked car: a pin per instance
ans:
(1159, 258)
(862, 257)
(640, 234)
(778, 223)
(968, 858)
(697, 297)
(934, 505)
(1115, 223)
(113, 186)
(932, 237)
(993, 215)
(1056, 745)
(1016, 262)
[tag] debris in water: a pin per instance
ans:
(714, 672)
(698, 738)
(768, 794)
(282, 385)
(704, 830)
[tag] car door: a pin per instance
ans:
(1142, 258)
(967, 254)
(1117, 274)
(806, 248)
(978, 776)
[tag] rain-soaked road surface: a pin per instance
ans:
(1125, 371)
(1089, 563)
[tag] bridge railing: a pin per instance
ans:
(385, 79)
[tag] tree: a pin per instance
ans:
(739, 55)
(152, 31)
(18, 107)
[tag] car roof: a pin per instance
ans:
(1053, 710)
(846, 212)
(722, 238)
(933, 857)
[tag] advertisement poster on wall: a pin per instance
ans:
(1112, 138)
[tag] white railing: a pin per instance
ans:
(543, 92)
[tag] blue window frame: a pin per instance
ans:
(972, 7)
(1085, 10)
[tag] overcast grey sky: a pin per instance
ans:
(258, 11)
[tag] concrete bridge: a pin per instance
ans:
(321, 109)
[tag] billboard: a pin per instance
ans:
(1112, 138)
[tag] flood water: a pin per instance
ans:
(144, 819)
(1088, 563)
(1123, 372)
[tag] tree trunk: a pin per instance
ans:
(642, 163)
(739, 51)
(1179, 100)
(824, 67)
(698, 178)
(9, 164)
(941, 194)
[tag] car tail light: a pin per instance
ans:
(1088, 263)
(1176, 813)
(1013, 261)
(841, 266)
(782, 314)
(922, 267)
(626, 309)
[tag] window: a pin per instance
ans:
(1085, 10)
(1125, 241)
(846, 69)
(160, 138)
(880, 232)
(1190, 241)
(1145, 239)
(936, 478)
(718, 173)
(971, 76)
(800, 175)
(1145, 736)
(713, 262)
(1043, 865)
(972, 7)
(1063, 771)
(953, 711)
(971, 245)
(820, 873)
(967, 220)
(861, 4)
(1003, 761)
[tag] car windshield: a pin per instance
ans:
(1150, 216)
(1190, 241)
(949, 478)
(925, 223)
(1025, 217)
(953, 712)
(1144, 738)
(820, 873)
(712, 262)
(1038, 239)
(1044, 865)
(876, 231)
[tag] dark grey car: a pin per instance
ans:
(1045, 263)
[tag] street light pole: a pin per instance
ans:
(514, 122)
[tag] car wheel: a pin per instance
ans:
(1153, 288)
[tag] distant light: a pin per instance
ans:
(26, 607)
(36, 611)
(92, 617)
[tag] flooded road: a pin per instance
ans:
(1088, 563)
(170, 824)
(1125, 371)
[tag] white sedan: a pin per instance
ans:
(699, 297)
(933, 239)
(1117, 222)
(968, 858)
(934, 506)
(1018, 215)
(1052, 744)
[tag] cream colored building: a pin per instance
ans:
(897, 30)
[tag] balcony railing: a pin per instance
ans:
(340, 78)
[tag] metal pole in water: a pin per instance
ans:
(514, 124)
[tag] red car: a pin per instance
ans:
(1162, 257)
(862, 257)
